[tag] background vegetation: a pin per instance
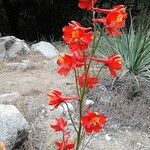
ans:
(133, 45)
(37, 19)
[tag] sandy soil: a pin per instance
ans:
(41, 77)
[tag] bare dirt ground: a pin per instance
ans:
(128, 127)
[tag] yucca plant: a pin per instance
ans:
(133, 46)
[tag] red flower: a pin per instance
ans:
(113, 62)
(114, 20)
(119, 8)
(90, 81)
(64, 145)
(59, 125)
(79, 60)
(113, 31)
(68, 62)
(55, 98)
(76, 36)
(86, 4)
(93, 121)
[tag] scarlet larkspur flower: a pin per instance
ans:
(93, 121)
(113, 62)
(60, 124)
(77, 37)
(113, 22)
(68, 62)
(56, 98)
(90, 81)
(120, 8)
(77, 25)
(115, 19)
(113, 31)
(64, 145)
(86, 4)
(79, 60)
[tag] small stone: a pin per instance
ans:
(22, 67)
(69, 122)
(51, 108)
(107, 137)
(139, 144)
(89, 102)
(30, 64)
(43, 112)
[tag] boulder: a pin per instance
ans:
(46, 49)
(13, 127)
(10, 46)
(9, 98)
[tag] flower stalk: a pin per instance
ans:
(78, 39)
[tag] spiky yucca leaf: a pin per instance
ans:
(133, 46)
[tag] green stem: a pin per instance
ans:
(71, 118)
(80, 106)
(86, 69)
(100, 69)
(83, 138)
(83, 135)
(64, 141)
(99, 37)
(88, 142)
(80, 115)
(77, 87)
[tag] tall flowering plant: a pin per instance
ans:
(78, 39)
